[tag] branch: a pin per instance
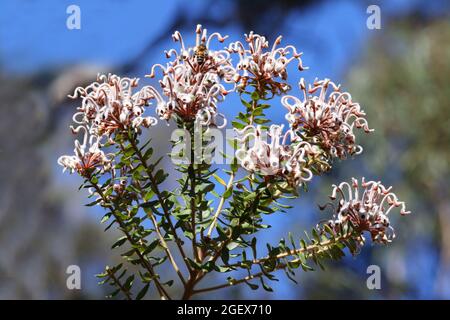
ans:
(317, 248)
(229, 284)
(165, 246)
(144, 262)
(222, 199)
(220, 206)
(192, 178)
(117, 283)
(166, 213)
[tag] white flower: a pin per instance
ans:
(366, 209)
(193, 82)
(87, 156)
(109, 105)
(326, 119)
(278, 158)
(262, 66)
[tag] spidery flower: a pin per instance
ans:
(277, 158)
(193, 81)
(109, 105)
(264, 67)
(326, 118)
(365, 207)
(87, 156)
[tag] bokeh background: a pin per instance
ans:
(400, 74)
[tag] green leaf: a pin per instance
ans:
(151, 247)
(150, 204)
(113, 294)
(238, 125)
(129, 150)
(246, 104)
(225, 255)
(194, 264)
(129, 253)
(219, 180)
(168, 283)
(258, 111)
(329, 230)
(306, 268)
(215, 194)
(142, 292)
(291, 239)
(290, 275)
(253, 246)
(227, 193)
(206, 187)
(261, 121)
(160, 176)
(129, 282)
(106, 217)
(315, 235)
(232, 245)
(221, 232)
(148, 153)
(149, 195)
(119, 242)
(303, 244)
(93, 203)
(252, 285)
(265, 286)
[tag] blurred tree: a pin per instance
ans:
(39, 235)
(403, 84)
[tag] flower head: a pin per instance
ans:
(327, 118)
(265, 67)
(109, 105)
(87, 156)
(277, 158)
(193, 81)
(365, 207)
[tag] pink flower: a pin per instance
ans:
(365, 208)
(110, 105)
(326, 118)
(193, 81)
(278, 158)
(265, 68)
(87, 156)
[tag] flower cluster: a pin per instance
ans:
(265, 68)
(365, 207)
(193, 82)
(320, 126)
(326, 119)
(108, 106)
(87, 156)
(277, 158)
